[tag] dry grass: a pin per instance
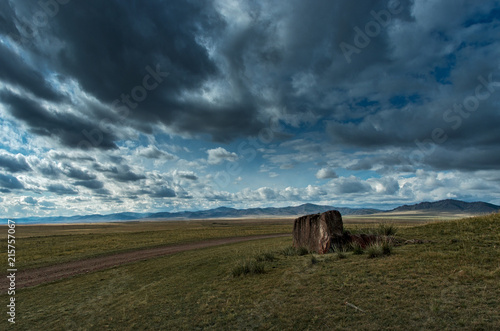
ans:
(450, 283)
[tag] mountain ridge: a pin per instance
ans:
(451, 205)
(448, 205)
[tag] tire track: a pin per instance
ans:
(33, 277)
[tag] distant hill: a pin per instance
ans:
(452, 206)
(221, 212)
(225, 212)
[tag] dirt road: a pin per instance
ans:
(32, 277)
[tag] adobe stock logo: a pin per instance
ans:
(455, 116)
(373, 28)
(29, 28)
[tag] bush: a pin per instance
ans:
(248, 267)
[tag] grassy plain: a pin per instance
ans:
(452, 281)
(42, 245)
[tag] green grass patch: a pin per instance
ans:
(265, 257)
(437, 285)
(380, 248)
(35, 248)
(248, 267)
(386, 229)
(293, 251)
(356, 248)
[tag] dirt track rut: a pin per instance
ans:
(32, 277)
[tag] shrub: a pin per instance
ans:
(248, 267)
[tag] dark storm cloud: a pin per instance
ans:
(187, 175)
(68, 129)
(117, 50)
(16, 72)
(71, 156)
(60, 189)
(7, 25)
(14, 163)
(124, 73)
(49, 170)
(30, 201)
(127, 176)
(467, 159)
(121, 173)
(163, 192)
(289, 51)
(91, 184)
(350, 185)
(78, 173)
(111, 47)
(8, 182)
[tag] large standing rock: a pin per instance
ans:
(318, 232)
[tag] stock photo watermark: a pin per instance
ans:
(248, 149)
(11, 271)
(372, 29)
(28, 29)
(455, 116)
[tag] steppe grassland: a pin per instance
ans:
(451, 282)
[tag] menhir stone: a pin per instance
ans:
(319, 232)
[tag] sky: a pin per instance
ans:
(146, 106)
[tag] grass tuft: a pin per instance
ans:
(356, 248)
(314, 260)
(380, 248)
(341, 254)
(248, 267)
(385, 229)
(374, 250)
(292, 251)
(265, 257)
(387, 247)
(302, 251)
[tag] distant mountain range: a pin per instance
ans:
(452, 206)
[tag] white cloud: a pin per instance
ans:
(219, 155)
